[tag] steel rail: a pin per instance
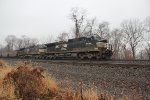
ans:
(116, 63)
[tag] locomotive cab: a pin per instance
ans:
(102, 45)
(101, 42)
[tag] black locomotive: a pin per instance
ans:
(84, 47)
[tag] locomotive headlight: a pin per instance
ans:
(108, 46)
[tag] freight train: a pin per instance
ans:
(89, 47)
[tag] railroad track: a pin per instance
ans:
(112, 63)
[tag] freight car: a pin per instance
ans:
(84, 47)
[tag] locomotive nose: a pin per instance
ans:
(101, 44)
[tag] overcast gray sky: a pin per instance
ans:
(42, 18)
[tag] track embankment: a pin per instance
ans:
(118, 78)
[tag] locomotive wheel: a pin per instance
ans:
(36, 57)
(107, 57)
(81, 56)
(43, 57)
(90, 56)
(98, 57)
(46, 57)
(50, 57)
(53, 57)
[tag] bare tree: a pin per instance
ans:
(10, 40)
(78, 16)
(49, 39)
(147, 37)
(63, 36)
(19, 43)
(25, 41)
(1, 50)
(116, 41)
(147, 24)
(90, 27)
(28, 41)
(147, 49)
(133, 33)
(103, 29)
(125, 52)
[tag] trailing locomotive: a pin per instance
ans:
(31, 52)
(84, 47)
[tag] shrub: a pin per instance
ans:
(28, 83)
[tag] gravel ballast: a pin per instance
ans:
(117, 81)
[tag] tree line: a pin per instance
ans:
(131, 40)
(15, 43)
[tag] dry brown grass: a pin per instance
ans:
(31, 83)
(4, 70)
(85, 95)
(3, 64)
(26, 82)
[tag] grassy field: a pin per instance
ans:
(25, 82)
